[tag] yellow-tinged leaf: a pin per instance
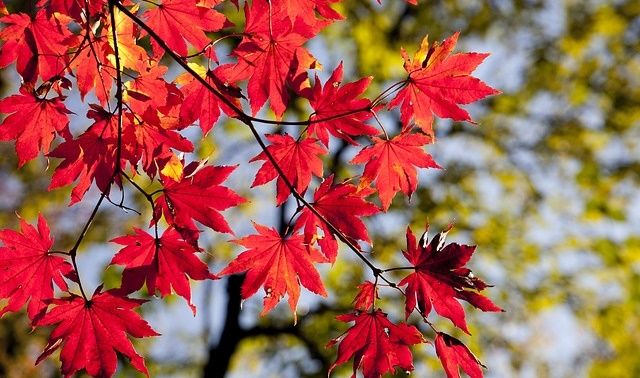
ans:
(173, 169)
(129, 52)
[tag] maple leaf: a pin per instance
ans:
(92, 156)
(377, 345)
(93, 71)
(366, 297)
(91, 332)
(307, 9)
(153, 142)
(197, 196)
(33, 123)
(453, 355)
(271, 56)
(334, 100)
(129, 52)
(163, 264)
(279, 264)
(200, 103)
(392, 163)
(298, 159)
(29, 268)
(440, 279)
(38, 46)
(150, 90)
(438, 82)
(72, 8)
(178, 20)
(342, 205)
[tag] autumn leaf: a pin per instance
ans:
(29, 268)
(438, 83)
(33, 122)
(129, 52)
(454, 355)
(339, 104)
(376, 345)
(366, 297)
(153, 143)
(93, 70)
(92, 156)
(164, 264)
(308, 10)
(91, 332)
(440, 279)
(178, 20)
(38, 45)
(200, 103)
(271, 56)
(278, 264)
(197, 196)
(342, 205)
(392, 163)
(298, 159)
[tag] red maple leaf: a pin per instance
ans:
(307, 9)
(453, 354)
(163, 264)
(342, 205)
(33, 123)
(197, 196)
(438, 82)
(440, 278)
(28, 268)
(72, 8)
(91, 332)
(377, 345)
(153, 142)
(366, 297)
(279, 264)
(334, 100)
(178, 20)
(298, 159)
(392, 163)
(38, 46)
(149, 89)
(93, 70)
(271, 56)
(202, 104)
(92, 156)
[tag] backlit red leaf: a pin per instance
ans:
(33, 122)
(90, 333)
(454, 355)
(38, 46)
(440, 279)
(392, 163)
(299, 160)
(178, 20)
(271, 56)
(278, 264)
(163, 264)
(376, 345)
(366, 297)
(92, 156)
(342, 205)
(438, 83)
(343, 103)
(28, 268)
(198, 196)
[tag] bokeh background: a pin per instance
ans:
(547, 185)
